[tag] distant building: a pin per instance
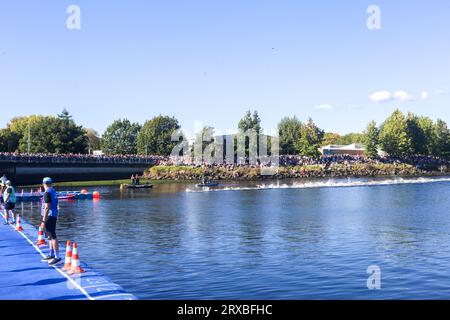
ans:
(97, 153)
(354, 149)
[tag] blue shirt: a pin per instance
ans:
(51, 198)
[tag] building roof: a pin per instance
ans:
(353, 146)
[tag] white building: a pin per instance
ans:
(355, 149)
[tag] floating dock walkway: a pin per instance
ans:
(24, 277)
(62, 195)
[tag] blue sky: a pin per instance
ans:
(210, 61)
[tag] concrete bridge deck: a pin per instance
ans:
(24, 173)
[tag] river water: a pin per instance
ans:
(273, 240)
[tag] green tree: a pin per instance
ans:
(47, 134)
(289, 130)
(9, 140)
(93, 139)
(68, 137)
(330, 138)
(204, 137)
(41, 136)
(249, 123)
(371, 140)
(18, 128)
(155, 137)
(121, 137)
(351, 138)
(427, 127)
(394, 137)
(311, 139)
(420, 131)
(441, 143)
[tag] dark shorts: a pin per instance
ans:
(9, 206)
(50, 228)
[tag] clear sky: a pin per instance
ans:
(211, 60)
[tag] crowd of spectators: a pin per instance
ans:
(325, 161)
(78, 158)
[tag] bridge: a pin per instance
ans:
(26, 172)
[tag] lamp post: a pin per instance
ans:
(29, 137)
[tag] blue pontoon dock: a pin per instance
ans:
(24, 277)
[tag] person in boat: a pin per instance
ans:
(137, 179)
(49, 214)
(133, 180)
(205, 180)
(9, 199)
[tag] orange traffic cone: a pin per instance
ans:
(19, 224)
(68, 261)
(41, 239)
(75, 262)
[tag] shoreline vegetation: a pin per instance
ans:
(175, 174)
(246, 173)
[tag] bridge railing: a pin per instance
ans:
(78, 160)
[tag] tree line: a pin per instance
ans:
(398, 135)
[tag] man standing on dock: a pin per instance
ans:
(9, 199)
(49, 213)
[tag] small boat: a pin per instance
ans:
(135, 186)
(67, 197)
(207, 184)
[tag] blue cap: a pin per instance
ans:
(47, 180)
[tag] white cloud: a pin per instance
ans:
(441, 92)
(424, 95)
(383, 96)
(402, 96)
(324, 107)
(380, 96)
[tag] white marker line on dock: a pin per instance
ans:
(102, 285)
(76, 285)
(115, 295)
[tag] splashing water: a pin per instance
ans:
(327, 183)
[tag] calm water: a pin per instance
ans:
(286, 241)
